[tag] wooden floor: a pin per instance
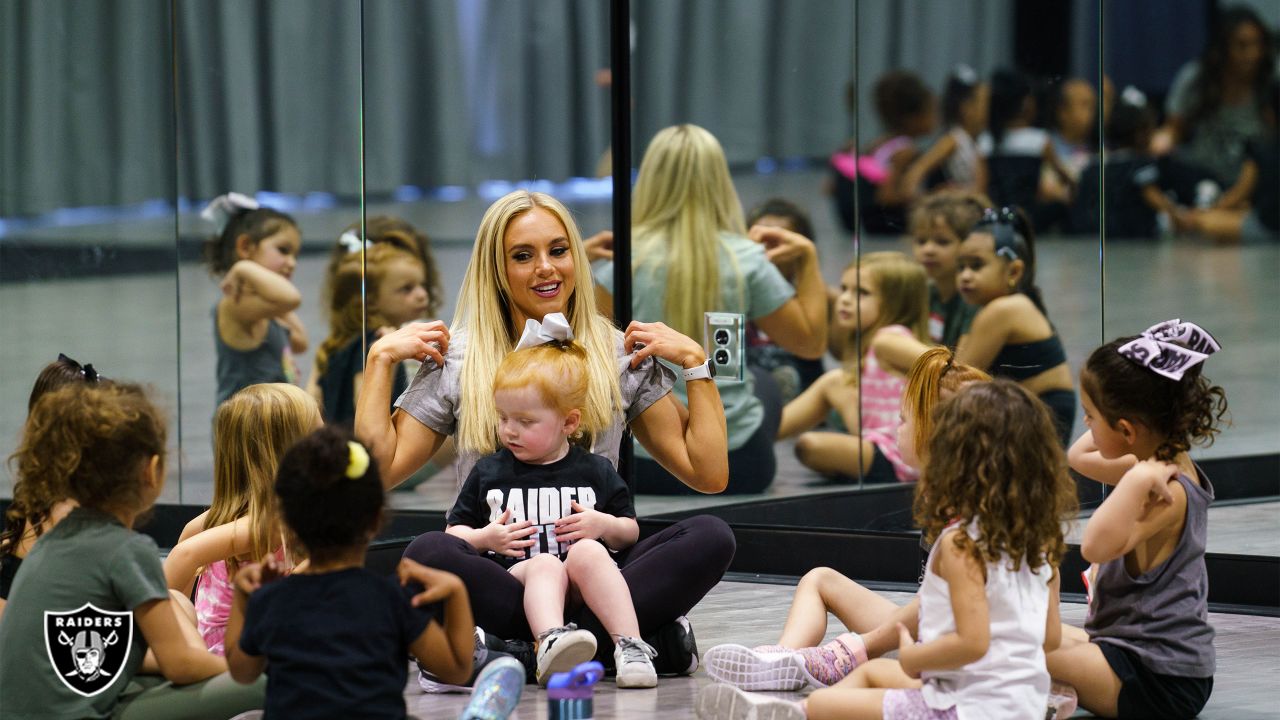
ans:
(1245, 686)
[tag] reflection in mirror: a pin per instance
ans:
(464, 103)
(765, 99)
(998, 111)
(269, 174)
(1191, 224)
(87, 252)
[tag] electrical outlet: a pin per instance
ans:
(724, 339)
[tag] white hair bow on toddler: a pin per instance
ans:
(221, 209)
(1157, 350)
(351, 242)
(553, 328)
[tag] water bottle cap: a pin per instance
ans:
(575, 684)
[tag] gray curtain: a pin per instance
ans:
(455, 91)
(86, 106)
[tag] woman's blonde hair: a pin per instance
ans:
(934, 377)
(355, 280)
(484, 315)
(683, 203)
(903, 288)
(251, 432)
(556, 371)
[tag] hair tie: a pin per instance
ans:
(221, 209)
(554, 328)
(1157, 350)
(357, 460)
(351, 241)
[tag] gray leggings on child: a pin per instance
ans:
(151, 697)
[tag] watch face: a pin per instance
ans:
(711, 367)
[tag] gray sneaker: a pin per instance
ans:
(633, 659)
(561, 649)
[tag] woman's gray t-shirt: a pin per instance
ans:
(433, 399)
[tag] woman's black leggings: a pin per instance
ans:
(752, 466)
(667, 573)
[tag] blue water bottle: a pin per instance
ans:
(569, 695)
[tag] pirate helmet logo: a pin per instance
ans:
(88, 647)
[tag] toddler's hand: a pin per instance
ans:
(1154, 476)
(906, 644)
(437, 584)
(510, 540)
(254, 575)
(583, 524)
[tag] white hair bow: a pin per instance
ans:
(351, 242)
(221, 209)
(1157, 350)
(553, 328)
(1133, 96)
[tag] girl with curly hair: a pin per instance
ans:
(992, 499)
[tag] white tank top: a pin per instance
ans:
(1010, 681)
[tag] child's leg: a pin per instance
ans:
(545, 584)
(861, 694)
(594, 575)
(833, 453)
(1084, 667)
(824, 590)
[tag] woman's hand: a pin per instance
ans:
(437, 584)
(643, 340)
(599, 246)
(417, 341)
(510, 540)
(782, 247)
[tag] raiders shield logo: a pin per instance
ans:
(88, 647)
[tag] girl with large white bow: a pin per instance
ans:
(529, 261)
(1147, 647)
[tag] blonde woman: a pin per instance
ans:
(693, 254)
(529, 261)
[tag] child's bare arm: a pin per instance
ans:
(1147, 499)
(926, 163)
(1053, 621)
(253, 293)
(205, 548)
(809, 407)
(246, 668)
(966, 578)
(445, 647)
(297, 332)
(180, 663)
(1084, 458)
(897, 351)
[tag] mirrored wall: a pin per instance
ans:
(841, 120)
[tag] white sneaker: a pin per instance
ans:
(633, 659)
(562, 648)
(718, 701)
(756, 669)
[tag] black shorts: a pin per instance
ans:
(1147, 694)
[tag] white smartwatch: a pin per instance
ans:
(705, 371)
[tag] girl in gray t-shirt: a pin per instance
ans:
(90, 599)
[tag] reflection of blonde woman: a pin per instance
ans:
(693, 254)
(529, 261)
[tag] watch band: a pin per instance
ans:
(705, 371)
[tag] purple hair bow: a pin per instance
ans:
(1171, 348)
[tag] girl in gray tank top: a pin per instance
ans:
(1149, 647)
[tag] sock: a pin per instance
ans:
(830, 663)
